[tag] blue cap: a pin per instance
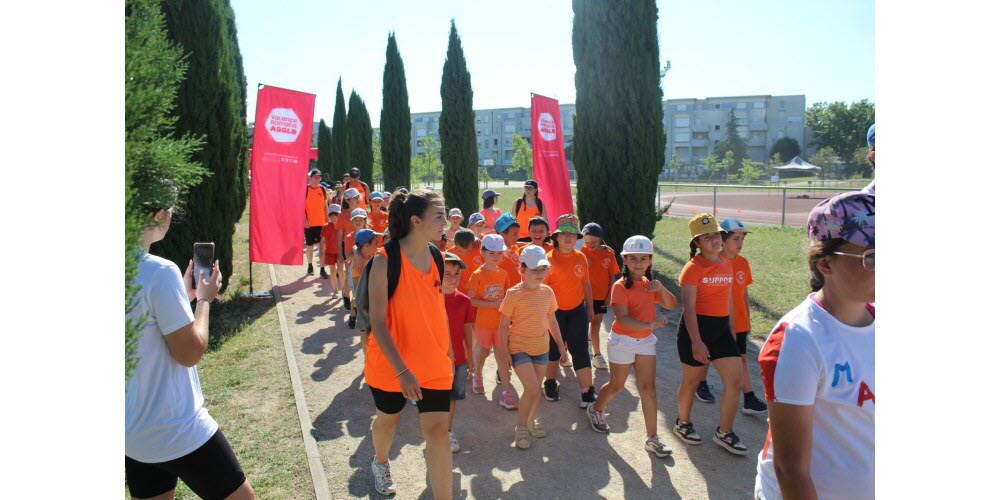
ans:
(504, 222)
(871, 135)
(476, 218)
(733, 226)
(363, 237)
(489, 193)
(593, 229)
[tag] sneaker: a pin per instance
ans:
(656, 446)
(753, 405)
(730, 442)
(455, 448)
(535, 429)
(588, 397)
(347, 303)
(477, 384)
(522, 438)
(704, 394)
(551, 390)
(597, 421)
(309, 270)
(599, 362)
(568, 363)
(507, 400)
(383, 479)
(322, 273)
(352, 322)
(686, 432)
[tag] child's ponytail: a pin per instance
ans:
(694, 248)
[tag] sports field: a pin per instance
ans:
(752, 206)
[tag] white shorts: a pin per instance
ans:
(622, 349)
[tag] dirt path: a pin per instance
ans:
(572, 462)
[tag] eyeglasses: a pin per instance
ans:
(867, 258)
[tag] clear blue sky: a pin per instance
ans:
(824, 49)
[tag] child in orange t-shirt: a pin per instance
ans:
(487, 287)
(705, 334)
(345, 226)
(466, 248)
(362, 251)
(477, 224)
(538, 234)
(455, 217)
(330, 250)
(527, 324)
(631, 343)
(603, 268)
(507, 227)
(378, 218)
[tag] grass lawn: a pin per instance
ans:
(777, 262)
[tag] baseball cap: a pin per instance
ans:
(333, 209)
(359, 212)
(351, 193)
(703, 224)
(531, 183)
(314, 172)
(637, 245)
(489, 193)
(593, 229)
(363, 237)
(450, 257)
(375, 196)
(871, 135)
(504, 222)
(355, 173)
(494, 243)
(850, 216)
(533, 256)
(476, 218)
(386, 194)
(733, 226)
(455, 211)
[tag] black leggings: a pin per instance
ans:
(211, 471)
(575, 333)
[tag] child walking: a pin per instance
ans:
(378, 218)
(487, 288)
(490, 212)
(603, 268)
(330, 249)
(363, 250)
(527, 324)
(461, 317)
(631, 343)
(345, 226)
(467, 247)
(477, 224)
(456, 218)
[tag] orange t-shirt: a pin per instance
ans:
(358, 265)
(488, 285)
(418, 323)
(566, 276)
(524, 217)
(528, 311)
(640, 303)
(603, 266)
(715, 284)
(741, 279)
(473, 259)
(511, 263)
(545, 246)
(344, 224)
(361, 189)
(379, 222)
(491, 215)
(315, 206)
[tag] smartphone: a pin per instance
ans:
(204, 255)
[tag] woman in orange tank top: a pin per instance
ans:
(409, 352)
(526, 207)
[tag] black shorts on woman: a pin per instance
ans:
(715, 334)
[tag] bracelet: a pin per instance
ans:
(203, 300)
(402, 372)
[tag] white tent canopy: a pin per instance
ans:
(798, 163)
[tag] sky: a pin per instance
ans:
(824, 49)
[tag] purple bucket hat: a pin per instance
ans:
(850, 216)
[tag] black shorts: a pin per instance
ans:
(741, 342)
(600, 307)
(392, 403)
(313, 234)
(715, 334)
(575, 333)
(211, 471)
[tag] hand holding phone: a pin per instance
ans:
(204, 254)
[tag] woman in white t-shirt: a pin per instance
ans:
(168, 432)
(818, 366)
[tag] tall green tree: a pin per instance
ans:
(733, 142)
(211, 103)
(359, 137)
(376, 158)
(426, 165)
(324, 143)
(523, 160)
(394, 123)
(459, 147)
(618, 147)
(338, 131)
(786, 148)
(843, 128)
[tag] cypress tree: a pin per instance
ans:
(211, 103)
(394, 123)
(459, 149)
(340, 163)
(324, 143)
(618, 147)
(359, 138)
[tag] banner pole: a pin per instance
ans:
(252, 294)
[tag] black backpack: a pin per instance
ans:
(395, 263)
(520, 202)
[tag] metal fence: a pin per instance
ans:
(771, 205)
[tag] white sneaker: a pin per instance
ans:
(383, 478)
(599, 362)
(455, 448)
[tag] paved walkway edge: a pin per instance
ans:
(320, 485)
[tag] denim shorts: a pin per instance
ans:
(518, 358)
(458, 384)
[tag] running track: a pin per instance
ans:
(750, 208)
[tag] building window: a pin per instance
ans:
(794, 119)
(716, 128)
(421, 132)
(781, 104)
(494, 142)
(682, 122)
(741, 105)
(682, 137)
(758, 105)
(717, 106)
(682, 107)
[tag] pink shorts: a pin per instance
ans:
(488, 337)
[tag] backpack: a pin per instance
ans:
(520, 202)
(395, 262)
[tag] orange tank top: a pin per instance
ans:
(524, 217)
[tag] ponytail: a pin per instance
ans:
(694, 248)
(524, 200)
(404, 205)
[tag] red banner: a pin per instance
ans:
(549, 157)
(279, 165)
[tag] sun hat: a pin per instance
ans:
(375, 196)
(455, 211)
(359, 212)
(450, 257)
(333, 209)
(703, 224)
(733, 226)
(850, 216)
(476, 218)
(532, 183)
(504, 222)
(351, 193)
(489, 193)
(637, 245)
(494, 243)
(314, 172)
(533, 256)
(567, 223)
(871, 135)
(593, 229)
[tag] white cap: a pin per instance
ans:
(351, 193)
(333, 209)
(455, 211)
(494, 243)
(534, 256)
(637, 245)
(359, 212)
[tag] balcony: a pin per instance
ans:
(699, 127)
(699, 143)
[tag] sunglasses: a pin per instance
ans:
(867, 258)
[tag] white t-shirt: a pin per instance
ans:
(164, 413)
(811, 358)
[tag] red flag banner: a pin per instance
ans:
(279, 164)
(549, 157)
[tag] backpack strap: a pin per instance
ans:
(438, 260)
(517, 206)
(395, 265)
